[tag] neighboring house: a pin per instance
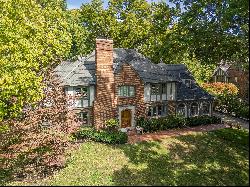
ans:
(229, 74)
(123, 84)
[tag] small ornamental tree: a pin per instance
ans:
(219, 88)
(36, 141)
(227, 99)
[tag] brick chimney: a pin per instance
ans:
(104, 98)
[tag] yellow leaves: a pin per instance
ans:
(218, 88)
(30, 38)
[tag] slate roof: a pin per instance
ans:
(196, 93)
(79, 72)
(82, 72)
(223, 67)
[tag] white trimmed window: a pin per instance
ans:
(205, 108)
(187, 82)
(181, 109)
(126, 91)
(194, 109)
(160, 110)
(82, 96)
(83, 117)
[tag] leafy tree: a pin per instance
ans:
(32, 36)
(216, 30)
(79, 34)
(36, 143)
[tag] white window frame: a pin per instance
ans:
(81, 102)
(79, 116)
(126, 91)
(197, 114)
(189, 84)
(185, 109)
(208, 105)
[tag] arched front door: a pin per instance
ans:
(126, 116)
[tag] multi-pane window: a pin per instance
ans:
(194, 109)
(81, 94)
(164, 88)
(205, 108)
(83, 117)
(154, 111)
(153, 89)
(160, 110)
(126, 91)
(188, 82)
(156, 89)
(181, 110)
(158, 92)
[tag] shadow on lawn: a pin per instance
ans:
(22, 168)
(202, 159)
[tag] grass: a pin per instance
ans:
(215, 158)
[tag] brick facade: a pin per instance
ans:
(129, 77)
(242, 81)
(106, 101)
(171, 107)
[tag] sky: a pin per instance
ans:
(72, 4)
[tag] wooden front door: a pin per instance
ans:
(126, 116)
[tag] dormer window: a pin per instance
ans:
(187, 82)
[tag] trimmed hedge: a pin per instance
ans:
(102, 136)
(170, 122)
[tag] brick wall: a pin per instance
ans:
(128, 76)
(242, 81)
(104, 108)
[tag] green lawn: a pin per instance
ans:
(214, 158)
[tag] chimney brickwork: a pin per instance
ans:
(104, 108)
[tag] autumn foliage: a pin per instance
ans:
(35, 142)
(220, 88)
(227, 99)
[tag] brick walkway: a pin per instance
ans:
(134, 138)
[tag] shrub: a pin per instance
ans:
(102, 136)
(172, 121)
(227, 100)
(202, 120)
(219, 88)
(112, 124)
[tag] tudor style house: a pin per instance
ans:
(123, 84)
(230, 74)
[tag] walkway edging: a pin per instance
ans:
(173, 132)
